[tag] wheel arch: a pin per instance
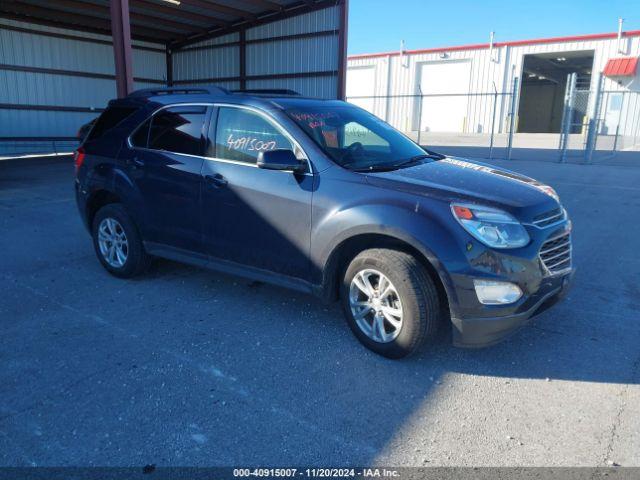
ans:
(98, 199)
(340, 257)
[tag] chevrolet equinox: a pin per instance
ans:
(324, 197)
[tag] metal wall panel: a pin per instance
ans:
(301, 55)
(42, 123)
(230, 38)
(29, 88)
(197, 64)
(320, 20)
(278, 57)
(320, 87)
(230, 85)
(33, 50)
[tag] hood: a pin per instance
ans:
(456, 179)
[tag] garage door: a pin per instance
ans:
(361, 82)
(444, 113)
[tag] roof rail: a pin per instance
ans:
(267, 91)
(152, 92)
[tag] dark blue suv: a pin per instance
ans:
(323, 197)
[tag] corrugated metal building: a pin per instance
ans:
(57, 67)
(452, 89)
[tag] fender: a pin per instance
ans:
(423, 231)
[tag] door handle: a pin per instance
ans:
(216, 180)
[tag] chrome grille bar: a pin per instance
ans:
(549, 218)
(568, 242)
(555, 254)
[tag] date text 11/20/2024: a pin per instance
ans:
(316, 472)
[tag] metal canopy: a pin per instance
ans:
(170, 22)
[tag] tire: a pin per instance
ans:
(414, 295)
(114, 217)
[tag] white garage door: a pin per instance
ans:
(445, 113)
(361, 82)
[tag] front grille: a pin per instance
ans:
(549, 218)
(556, 253)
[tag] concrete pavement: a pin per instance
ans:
(190, 367)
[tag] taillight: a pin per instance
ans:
(78, 158)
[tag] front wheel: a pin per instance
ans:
(390, 302)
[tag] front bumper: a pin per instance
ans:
(475, 332)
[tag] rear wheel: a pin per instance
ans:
(390, 302)
(117, 242)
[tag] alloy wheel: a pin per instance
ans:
(375, 305)
(113, 243)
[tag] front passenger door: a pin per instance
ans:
(255, 217)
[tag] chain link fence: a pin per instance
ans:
(596, 126)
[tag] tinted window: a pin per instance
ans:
(354, 138)
(141, 136)
(241, 135)
(178, 129)
(111, 117)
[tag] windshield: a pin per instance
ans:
(356, 139)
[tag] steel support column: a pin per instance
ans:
(121, 33)
(342, 49)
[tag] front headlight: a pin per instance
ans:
(495, 228)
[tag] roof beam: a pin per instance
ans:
(231, 11)
(51, 17)
(174, 10)
(266, 4)
(103, 12)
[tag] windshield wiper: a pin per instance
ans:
(430, 155)
(395, 166)
(415, 159)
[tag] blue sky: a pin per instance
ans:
(379, 25)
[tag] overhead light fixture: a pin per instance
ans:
(561, 59)
(542, 77)
(175, 2)
(532, 75)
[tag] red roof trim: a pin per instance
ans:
(621, 67)
(480, 46)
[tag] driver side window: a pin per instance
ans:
(242, 134)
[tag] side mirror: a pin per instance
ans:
(280, 159)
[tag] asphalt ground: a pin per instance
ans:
(187, 367)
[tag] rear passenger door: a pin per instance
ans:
(165, 163)
(255, 217)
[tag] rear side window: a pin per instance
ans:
(241, 135)
(109, 119)
(178, 130)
